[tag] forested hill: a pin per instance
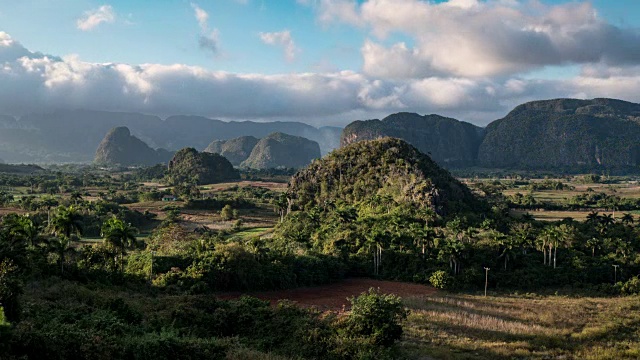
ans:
(450, 142)
(565, 134)
(379, 169)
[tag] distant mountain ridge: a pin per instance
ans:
(73, 135)
(567, 135)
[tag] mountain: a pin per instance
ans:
(235, 150)
(565, 135)
(450, 142)
(189, 165)
(119, 147)
(387, 167)
(279, 150)
(73, 135)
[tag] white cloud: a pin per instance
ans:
(32, 82)
(283, 39)
(202, 16)
(208, 39)
(92, 18)
(473, 38)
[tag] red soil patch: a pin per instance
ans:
(334, 296)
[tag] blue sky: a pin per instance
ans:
(319, 61)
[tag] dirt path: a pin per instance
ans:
(334, 296)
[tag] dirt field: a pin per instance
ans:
(334, 296)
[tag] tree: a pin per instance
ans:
(627, 219)
(66, 222)
(226, 213)
(120, 235)
(377, 316)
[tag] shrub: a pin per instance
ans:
(631, 287)
(441, 280)
(376, 316)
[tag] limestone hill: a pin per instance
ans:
(565, 135)
(235, 150)
(450, 142)
(190, 166)
(377, 168)
(119, 147)
(280, 150)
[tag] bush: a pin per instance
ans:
(631, 287)
(376, 316)
(441, 280)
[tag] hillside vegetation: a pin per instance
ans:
(190, 166)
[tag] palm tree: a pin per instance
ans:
(119, 234)
(24, 228)
(627, 219)
(66, 222)
(60, 246)
(75, 197)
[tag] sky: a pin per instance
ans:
(324, 62)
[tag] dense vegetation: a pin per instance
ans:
(190, 166)
(119, 147)
(101, 268)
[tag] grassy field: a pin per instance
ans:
(512, 327)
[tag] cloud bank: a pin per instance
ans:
(475, 67)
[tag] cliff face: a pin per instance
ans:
(565, 135)
(235, 150)
(279, 150)
(450, 142)
(119, 147)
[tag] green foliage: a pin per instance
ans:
(190, 166)
(227, 213)
(376, 316)
(631, 286)
(441, 280)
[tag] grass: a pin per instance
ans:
(516, 327)
(253, 232)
